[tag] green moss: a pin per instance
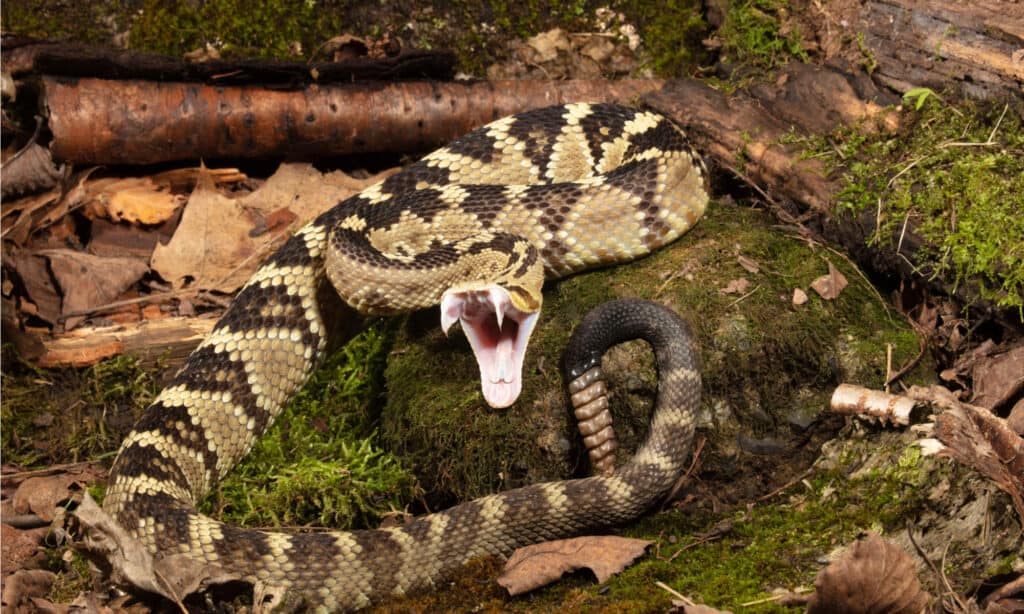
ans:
(756, 33)
(70, 415)
(260, 28)
(87, 22)
(320, 463)
(780, 543)
(944, 180)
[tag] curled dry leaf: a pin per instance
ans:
(138, 200)
(23, 586)
(43, 494)
(221, 241)
(30, 170)
(127, 561)
(872, 577)
(88, 281)
(749, 264)
(541, 564)
(736, 286)
(829, 286)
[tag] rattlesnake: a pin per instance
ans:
(475, 227)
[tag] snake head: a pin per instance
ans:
(498, 325)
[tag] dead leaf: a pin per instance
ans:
(799, 297)
(872, 576)
(548, 44)
(22, 586)
(21, 549)
(115, 551)
(829, 286)
(19, 216)
(999, 377)
(749, 264)
(30, 170)
(214, 245)
(541, 564)
(38, 285)
(736, 286)
(89, 281)
(138, 200)
(43, 494)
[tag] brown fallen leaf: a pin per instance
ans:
(138, 200)
(736, 286)
(998, 377)
(535, 566)
(43, 494)
(35, 278)
(89, 281)
(749, 264)
(22, 586)
(21, 549)
(799, 297)
(127, 561)
(829, 286)
(979, 439)
(872, 577)
(215, 246)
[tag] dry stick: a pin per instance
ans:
(798, 591)
(938, 572)
(671, 591)
(51, 470)
(692, 469)
(784, 486)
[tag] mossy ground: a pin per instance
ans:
(950, 182)
(765, 362)
(478, 32)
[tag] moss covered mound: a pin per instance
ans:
(769, 366)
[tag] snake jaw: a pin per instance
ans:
(498, 332)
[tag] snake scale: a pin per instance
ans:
(475, 227)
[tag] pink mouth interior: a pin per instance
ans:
(498, 334)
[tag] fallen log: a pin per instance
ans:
(24, 57)
(973, 48)
(166, 339)
(97, 121)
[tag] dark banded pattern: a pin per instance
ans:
(576, 186)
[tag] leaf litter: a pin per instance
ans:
(541, 564)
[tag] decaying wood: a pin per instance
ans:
(975, 46)
(22, 57)
(746, 132)
(167, 339)
(97, 121)
(857, 400)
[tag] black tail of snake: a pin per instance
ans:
(588, 185)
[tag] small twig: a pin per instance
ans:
(692, 469)
(51, 470)
(797, 591)
(745, 296)
(785, 486)
(888, 365)
(671, 591)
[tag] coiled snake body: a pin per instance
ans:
(475, 227)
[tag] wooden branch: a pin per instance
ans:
(23, 57)
(170, 339)
(139, 122)
(973, 45)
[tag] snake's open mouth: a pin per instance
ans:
(498, 334)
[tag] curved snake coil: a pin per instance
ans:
(475, 227)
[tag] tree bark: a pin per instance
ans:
(97, 121)
(974, 48)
